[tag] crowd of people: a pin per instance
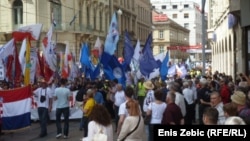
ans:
(204, 100)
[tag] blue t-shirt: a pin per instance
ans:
(62, 95)
(99, 98)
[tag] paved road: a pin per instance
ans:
(31, 133)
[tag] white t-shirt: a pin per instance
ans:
(157, 112)
(119, 98)
(45, 92)
(180, 101)
(123, 110)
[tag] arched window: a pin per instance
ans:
(56, 13)
(18, 12)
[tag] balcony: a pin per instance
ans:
(234, 6)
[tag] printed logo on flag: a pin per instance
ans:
(117, 72)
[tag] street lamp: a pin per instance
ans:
(118, 14)
(203, 2)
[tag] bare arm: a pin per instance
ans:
(120, 122)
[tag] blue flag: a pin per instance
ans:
(84, 59)
(112, 37)
(128, 51)
(164, 68)
(94, 72)
(147, 60)
(112, 68)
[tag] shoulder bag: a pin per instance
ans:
(100, 136)
(132, 130)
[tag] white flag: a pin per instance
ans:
(7, 49)
(49, 50)
(34, 31)
(21, 56)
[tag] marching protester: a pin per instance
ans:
(87, 108)
(123, 112)
(62, 96)
(210, 116)
(119, 99)
(155, 111)
(172, 114)
(133, 126)
(44, 99)
(99, 122)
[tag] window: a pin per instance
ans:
(100, 21)
(56, 13)
(95, 19)
(163, 7)
(186, 25)
(174, 6)
(174, 16)
(18, 12)
(161, 48)
(88, 16)
(186, 6)
(161, 35)
(186, 15)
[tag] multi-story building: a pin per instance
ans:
(169, 35)
(229, 34)
(76, 21)
(187, 14)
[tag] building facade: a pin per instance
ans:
(169, 36)
(187, 14)
(226, 37)
(76, 21)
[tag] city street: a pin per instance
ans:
(31, 134)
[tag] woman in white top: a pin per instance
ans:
(133, 126)
(156, 110)
(100, 122)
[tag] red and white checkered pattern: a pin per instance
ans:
(33, 103)
(71, 102)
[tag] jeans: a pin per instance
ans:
(116, 109)
(65, 112)
(43, 116)
(85, 121)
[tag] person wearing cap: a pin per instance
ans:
(149, 86)
(239, 98)
(44, 102)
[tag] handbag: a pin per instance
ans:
(132, 130)
(100, 136)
